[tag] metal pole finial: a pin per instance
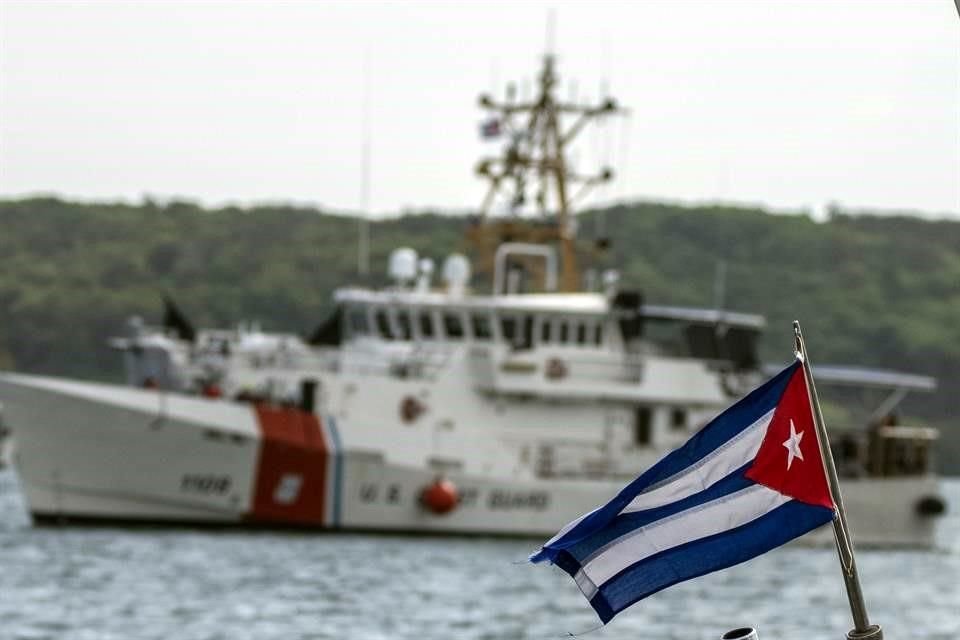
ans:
(798, 351)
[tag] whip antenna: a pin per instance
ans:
(363, 235)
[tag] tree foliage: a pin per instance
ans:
(872, 290)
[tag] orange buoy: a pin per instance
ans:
(440, 497)
(211, 391)
(411, 409)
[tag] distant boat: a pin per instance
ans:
(427, 407)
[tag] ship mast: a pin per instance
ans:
(533, 160)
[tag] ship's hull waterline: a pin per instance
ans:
(90, 455)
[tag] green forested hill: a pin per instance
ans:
(871, 290)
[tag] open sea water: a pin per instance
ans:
(131, 584)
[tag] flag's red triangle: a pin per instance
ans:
(789, 458)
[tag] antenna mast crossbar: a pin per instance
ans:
(534, 158)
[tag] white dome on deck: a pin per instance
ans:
(403, 265)
(456, 272)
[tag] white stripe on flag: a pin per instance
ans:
(722, 514)
(718, 464)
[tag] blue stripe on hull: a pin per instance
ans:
(337, 471)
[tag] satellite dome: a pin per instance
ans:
(456, 271)
(403, 265)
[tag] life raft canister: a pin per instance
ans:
(440, 497)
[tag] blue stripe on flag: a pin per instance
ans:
(725, 426)
(702, 556)
(627, 522)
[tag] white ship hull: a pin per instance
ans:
(108, 453)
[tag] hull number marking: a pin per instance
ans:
(532, 500)
(496, 499)
(369, 493)
(206, 484)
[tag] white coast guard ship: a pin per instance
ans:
(428, 406)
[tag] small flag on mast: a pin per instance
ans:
(490, 129)
(749, 481)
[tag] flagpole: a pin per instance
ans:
(862, 629)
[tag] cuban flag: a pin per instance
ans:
(750, 480)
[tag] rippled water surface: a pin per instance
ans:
(114, 583)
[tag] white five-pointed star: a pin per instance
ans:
(792, 445)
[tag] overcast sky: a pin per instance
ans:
(787, 104)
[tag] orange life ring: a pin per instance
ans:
(440, 497)
(411, 409)
(556, 369)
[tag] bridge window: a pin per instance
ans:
(598, 335)
(581, 333)
(526, 339)
(403, 324)
(517, 332)
(641, 427)
(383, 323)
(481, 327)
(546, 329)
(426, 324)
(508, 329)
(358, 321)
(564, 331)
(453, 325)
(678, 420)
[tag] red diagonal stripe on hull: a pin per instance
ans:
(291, 469)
